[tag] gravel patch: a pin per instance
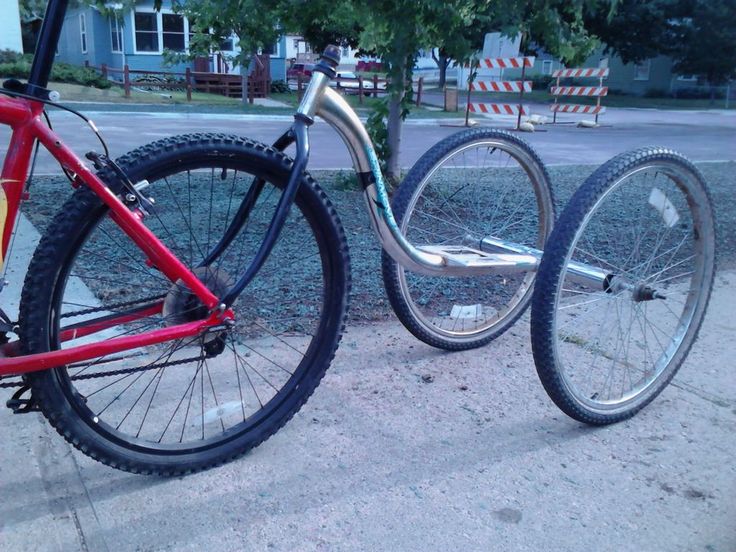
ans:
(369, 302)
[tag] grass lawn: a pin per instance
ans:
(76, 92)
(115, 100)
(368, 104)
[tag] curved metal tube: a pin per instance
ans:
(339, 115)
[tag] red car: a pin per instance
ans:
(297, 70)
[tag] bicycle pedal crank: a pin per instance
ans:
(181, 305)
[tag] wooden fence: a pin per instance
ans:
(188, 81)
(363, 88)
(231, 85)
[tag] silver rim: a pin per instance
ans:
(488, 187)
(652, 229)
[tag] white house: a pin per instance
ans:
(10, 37)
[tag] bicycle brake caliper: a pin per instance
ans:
(131, 193)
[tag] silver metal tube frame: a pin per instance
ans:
(430, 260)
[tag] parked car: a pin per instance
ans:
(351, 84)
(297, 70)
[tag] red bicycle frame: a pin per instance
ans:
(24, 118)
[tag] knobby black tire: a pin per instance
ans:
(414, 186)
(551, 278)
(56, 250)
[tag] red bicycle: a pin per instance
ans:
(130, 336)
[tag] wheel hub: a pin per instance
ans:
(181, 305)
(643, 292)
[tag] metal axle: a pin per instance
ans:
(579, 272)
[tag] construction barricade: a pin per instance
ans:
(512, 86)
(579, 91)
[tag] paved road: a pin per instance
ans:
(703, 136)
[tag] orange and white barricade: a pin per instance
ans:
(579, 91)
(512, 86)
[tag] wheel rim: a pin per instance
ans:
(616, 348)
(182, 408)
(519, 210)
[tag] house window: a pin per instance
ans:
(641, 70)
(146, 32)
(227, 45)
(116, 36)
(345, 52)
(173, 31)
(272, 50)
(547, 67)
(83, 32)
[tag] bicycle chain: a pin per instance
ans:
(113, 306)
(120, 372)
(19, 383)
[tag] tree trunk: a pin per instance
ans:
(397, 74)
(244, 82)
(393, 129)
(246, 68)
(443, 63)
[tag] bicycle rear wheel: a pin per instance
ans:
(188, 404)
(604, 348)
(472, 187)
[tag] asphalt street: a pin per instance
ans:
(700, 135)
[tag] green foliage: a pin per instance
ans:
(377, 130)
(700, 35)
(254, 22)
(635, 29)
(346, 181)
(705, 41)
(395, 30)
(31, 10)
(656, 93)
(377, 127)
(694, 93)
(323, 22)
(19, 66)
(11, 56)
(279, 87)
(541, 82)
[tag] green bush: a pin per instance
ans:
(346, 181)
(541, 82)
(9, 56)
(16, 69)
(656, 93)
(279, 87)
(695, 93)
(13, 65)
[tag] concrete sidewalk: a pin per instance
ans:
(477, 459)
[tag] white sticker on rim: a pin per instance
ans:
(469, 311)
(659, 201)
